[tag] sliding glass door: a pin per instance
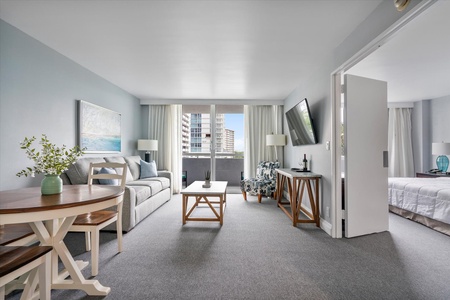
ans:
(229, 148)
(212, 140)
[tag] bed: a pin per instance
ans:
(424, 200)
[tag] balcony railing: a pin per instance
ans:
(228, 168)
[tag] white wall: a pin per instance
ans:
(38, 92)
(316, 87)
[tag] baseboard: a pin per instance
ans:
(324, 225)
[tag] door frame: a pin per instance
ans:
(336, 83)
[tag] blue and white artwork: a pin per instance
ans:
(99, 129)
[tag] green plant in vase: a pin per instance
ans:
(207, 179)
(51, 160)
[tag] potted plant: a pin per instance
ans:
(207, 179)
(51, 160)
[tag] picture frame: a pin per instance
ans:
(99, 129)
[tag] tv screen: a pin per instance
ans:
(300, 124)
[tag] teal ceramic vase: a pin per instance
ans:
(51, 184)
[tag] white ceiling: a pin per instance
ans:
(416, 61)
(193, 49)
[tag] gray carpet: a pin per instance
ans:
(258, 254)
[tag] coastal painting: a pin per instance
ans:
(99, 128)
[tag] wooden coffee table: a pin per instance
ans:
(202, 195)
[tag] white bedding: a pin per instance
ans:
(429, 197)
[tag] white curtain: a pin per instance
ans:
(401, 161)
(260, 120)
(164, 125)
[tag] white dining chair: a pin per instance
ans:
(17, 235)
(92, 223)
(32, 261)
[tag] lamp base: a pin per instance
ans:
(147, 157)
(442, 163)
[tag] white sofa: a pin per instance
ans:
(142, 196)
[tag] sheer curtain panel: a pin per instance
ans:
(260, 120)
(164, 125)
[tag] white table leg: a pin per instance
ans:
(53, 235)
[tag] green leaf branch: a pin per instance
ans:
(51, 160)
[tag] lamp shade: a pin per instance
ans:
(275, 140)
(440, 148)
(147, 145)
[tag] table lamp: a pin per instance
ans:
(275, 140)
(441, 149)
(147, 146)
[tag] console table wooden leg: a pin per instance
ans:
(312, 201)
(300, 192)
(293, 195)
(317, 203)
(280, 186)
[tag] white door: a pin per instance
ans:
(366, 173)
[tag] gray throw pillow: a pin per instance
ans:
(108, 181)
(148, 170)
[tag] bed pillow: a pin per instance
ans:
(108, 181)
(148, 170)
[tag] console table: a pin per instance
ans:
(296, 183)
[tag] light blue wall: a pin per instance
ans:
(421, 135)
(429, 125)
(439, 115)
(317, 89)
(38, 92)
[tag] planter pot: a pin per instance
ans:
(207, 184)
(51, 184)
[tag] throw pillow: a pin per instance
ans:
(108, 181)
(148, 170)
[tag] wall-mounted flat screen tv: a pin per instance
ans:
(300, 123)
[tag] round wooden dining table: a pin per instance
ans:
(51, 217)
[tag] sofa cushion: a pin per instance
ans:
(133, 164)
(148, 170)
(143, 193)
(120, 159)
(108, 181)
(65, 178)
(165, 182)
(155, 185)
(78, 172)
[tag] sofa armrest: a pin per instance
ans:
(169, 175)
(128, 209)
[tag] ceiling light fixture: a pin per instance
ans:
(401, 4)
